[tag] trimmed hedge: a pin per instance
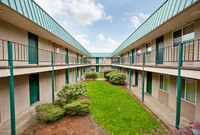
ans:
(106, 72)
(118, 78)
(47, 113)
(90, 75)
(78, 107)
(112, 72)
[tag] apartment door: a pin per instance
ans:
(67, 76)
(159, 50)
(149, 82)
(34, 88)
(32, 48)
(97, 68)
(66, 56)
(136, 77)
(133, 52)
(97, 60)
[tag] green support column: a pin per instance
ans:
(11, 89)
(130, 75)
(76, 71)
(179, 87)
(52, 62)
(123, 62)
(143, 74)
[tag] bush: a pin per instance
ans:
(117, 78)
(90, 75)
(92, 69)
(78, 107)
(49, 113)
(106, 72)
(71, 92)
(112, 72)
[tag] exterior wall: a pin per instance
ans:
(155, 85)
(172, 92)
(59, 79)
(45, 84)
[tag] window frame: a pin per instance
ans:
(181, 28)
(148, 52)
(186, 92)
(164, 83)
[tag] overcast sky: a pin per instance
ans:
(100, 25)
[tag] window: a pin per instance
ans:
(148, 48)
(184, 35)
(138, 52)
(188, 90)
(164, 82)
(103, 58)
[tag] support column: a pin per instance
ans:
(123, 62)
(11, 89)
(143, 75)
(52, 62)
(76, 71)
(130, 75)
(179, 87)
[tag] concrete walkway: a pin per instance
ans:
(166, 114)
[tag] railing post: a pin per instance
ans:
(130, 75)
(52, 63)
(123, 63)
(11, 89)
(179, 87)
(76, 70)
(143, 75)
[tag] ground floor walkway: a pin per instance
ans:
(166, 114)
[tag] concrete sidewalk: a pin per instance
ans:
(166, 114)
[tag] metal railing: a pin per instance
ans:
(24, 55)
(166, 56)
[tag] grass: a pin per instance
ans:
(117, 111)
(100, 75)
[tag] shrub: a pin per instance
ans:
(71, 92)
(92, 69)
(106, 72)
(117, 78)
(112, 72)
(49, 112)
(90, 75)
(78, 107)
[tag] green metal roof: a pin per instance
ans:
(100, 54)
(35, 13)
(166, 11)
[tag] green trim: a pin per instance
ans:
(130, 75)
(143, 75)
(179, 87)
(11, 89)
(52, 62)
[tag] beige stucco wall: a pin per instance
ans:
(172, 92)
(155, 85)
(45, 84)
(59, 79)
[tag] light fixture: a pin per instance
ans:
(1, 11)
(57, 50)
(195, 13)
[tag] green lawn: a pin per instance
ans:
(117, 111)
(100, 75)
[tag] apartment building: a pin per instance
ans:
(45, 57)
